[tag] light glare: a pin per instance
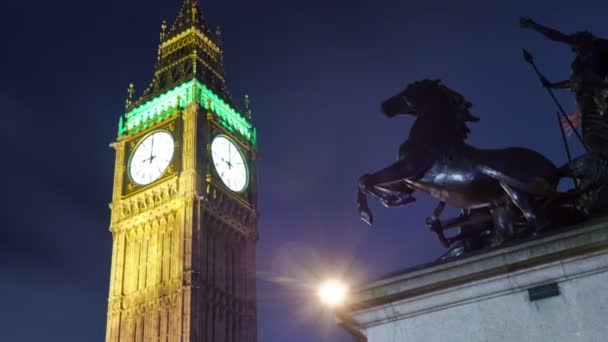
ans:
(333, 293)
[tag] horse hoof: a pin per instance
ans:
(367, 217)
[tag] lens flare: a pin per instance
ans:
(333, 293)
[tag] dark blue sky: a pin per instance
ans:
(316, 71)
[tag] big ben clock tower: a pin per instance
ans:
(184, 208)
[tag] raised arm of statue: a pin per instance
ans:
(546, 31)
(555, 85)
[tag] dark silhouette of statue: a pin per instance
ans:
(502, 193)
(587, 82)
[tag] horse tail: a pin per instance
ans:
(538, 186)
(562, 197)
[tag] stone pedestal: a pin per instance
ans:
(553, 288)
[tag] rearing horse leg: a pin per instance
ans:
(362, 206)
(402, 169)
(364, 212)
(396, 199)
(385, 196)
(527, 206)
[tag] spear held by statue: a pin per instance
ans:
(530, 60)
(588, 82)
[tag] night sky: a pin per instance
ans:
(316, 72)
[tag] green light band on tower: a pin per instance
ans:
(165, 105)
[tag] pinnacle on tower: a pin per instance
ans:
(163, 30)
(130, 92)
(190, 15)
(247, 107)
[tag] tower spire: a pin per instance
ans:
(190, 15)
(187, 51)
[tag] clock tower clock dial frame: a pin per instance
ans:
(151, 158)
(229, 163)
(132, 144)
(183, 255)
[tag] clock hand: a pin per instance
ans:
(221, 158)
(152, 150)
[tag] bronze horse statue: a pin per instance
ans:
(509, 187)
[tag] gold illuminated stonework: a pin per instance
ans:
(183, 255)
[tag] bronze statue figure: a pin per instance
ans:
(588, 82)
(502, 193)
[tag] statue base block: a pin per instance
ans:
(552, 288)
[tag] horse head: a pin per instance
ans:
(429, 98)
(445, 111)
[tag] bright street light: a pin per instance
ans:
(333, 293)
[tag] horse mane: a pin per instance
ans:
(454, 115)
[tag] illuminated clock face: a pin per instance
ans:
(229, 163)
(151, 157)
